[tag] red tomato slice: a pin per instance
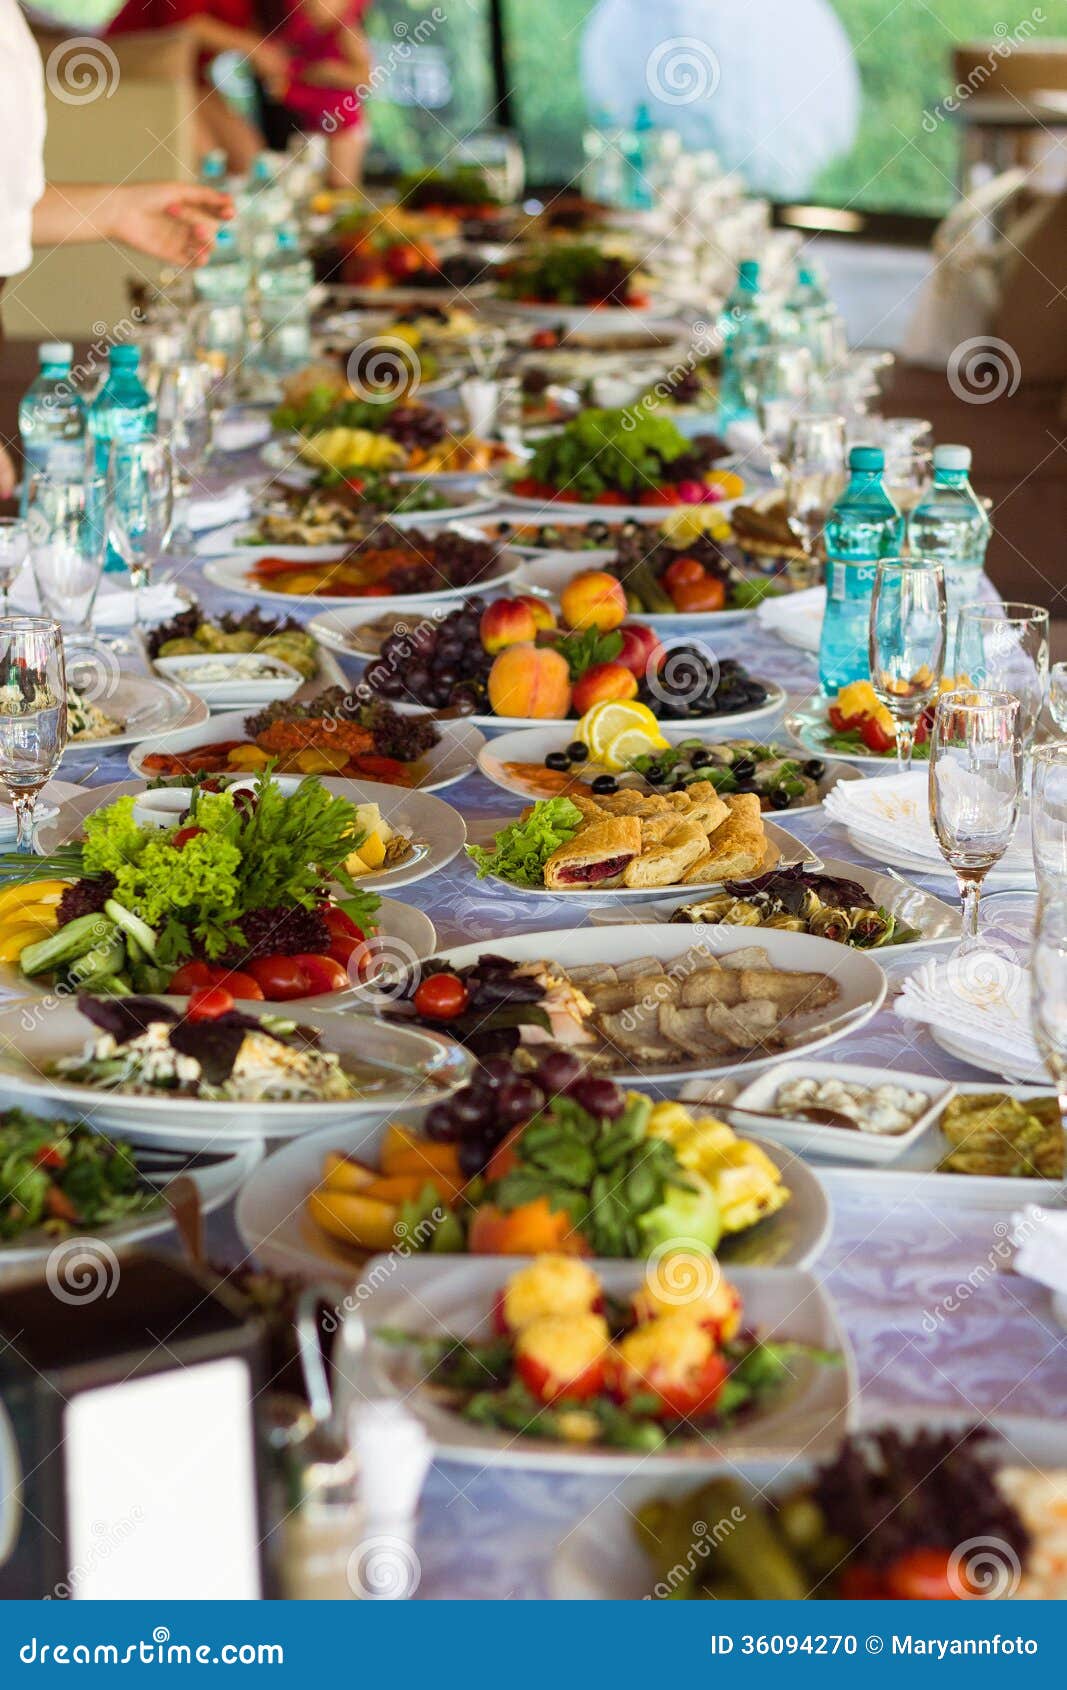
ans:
(191, 976)
(679, 1399)
(875, 737)
(441, 997)
(242, 985)
(547, 1389)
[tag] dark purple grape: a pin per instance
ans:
(464, 699)
(474, 1153)
(558, 1070)
(602, 1098)
(497, 1071)
(517, 1100)
(439, 1124)
(471, 1111)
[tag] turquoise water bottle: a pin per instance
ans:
(863, 525)
(52, 421)
(950, 525)
(638, 152)
(123, 410)
(742, 331)
(223, 280)
(285, 285)
(213, 168)
(811, 318)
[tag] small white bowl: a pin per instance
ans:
(837, 1143)
(279, 681)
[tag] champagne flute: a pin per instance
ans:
(780, 380)
(1048, 818)
(14, 550)
(815, 475)
(187, 417)
(1004, 648)
(140, 505)
(67, 526)
(33, 712)
(907, 643)
(976, 762)
(1048, 993)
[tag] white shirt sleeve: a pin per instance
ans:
(22, 127)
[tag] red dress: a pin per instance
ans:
(170, 14)
(309, 43)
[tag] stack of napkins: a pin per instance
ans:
(896, 808)
(981, 1000)
(796, 618)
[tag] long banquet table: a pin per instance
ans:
(920, 1281)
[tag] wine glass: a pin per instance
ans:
(815, 475)
(976, 761)
(186, 416)
(908, 446)
(907, 643)
(777, 383)
(1048, 817)
(14, 550)
(67, 525)
(140, 506)
(1004, 648)
(33, 712)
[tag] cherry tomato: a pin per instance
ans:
(922, 1575)
(340, 924)
(190, 976)
(206, 1003)
(547, 1388)
(354, 484)
(875, 737)
(683, 571)
(441, 997)
(609, 498)
(843, 724)
(324, 973)
(658, 496)
(50, 1156)
(183, 836)
(693, 596)
(242, 985)
(280, 978)
(678, 1398)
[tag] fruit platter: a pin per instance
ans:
(625, 460)
(510, 660)
(405, 565)
(569, 274)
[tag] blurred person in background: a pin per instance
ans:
(173, 221)
(329, 65)
(217, 26)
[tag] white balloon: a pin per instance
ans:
(771, 86)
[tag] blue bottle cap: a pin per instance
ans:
(867, 458)
(748, 275)
(125, 357)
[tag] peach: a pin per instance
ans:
(506, 622)
(641, 648)
(530, 680)
(600, 682)
(593, 599)
(540, 610)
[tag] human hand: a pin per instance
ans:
(8, 477)
(173, 221)
(271, 63)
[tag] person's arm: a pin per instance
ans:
(268, 58)
(356, 52)
(173, 221)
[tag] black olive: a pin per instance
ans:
(779, 798)
(678, 786)
(605, 784)
(577, 751)
(699, 759)
(755, 693)
(813, 768)
(654, 775)
(746, 786)
(744, 768)
(558, 760)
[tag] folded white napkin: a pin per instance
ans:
(1040, 1238)
(795, 617)
(897, 807)
(213, 510)
(114, 607)
(981, 998)
(240, 434)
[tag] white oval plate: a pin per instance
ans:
(1019, 879)
(453, 757)
(552, 570)
(234, 537)
(238, 690)
(940, 923)
(600, 1559)
(532, 745)
(274, 1225)
(860, 980)
(230, 573)
(29, 1039)
(148, 707)
(782, 848)
(437, 832)
(456, 1294)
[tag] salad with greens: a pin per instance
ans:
(520, 851)
(63, 1177)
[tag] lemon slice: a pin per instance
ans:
(605, 722)
(632, 742)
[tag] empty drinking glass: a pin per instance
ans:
(1004, 648)
(1048, 818)
(140, 506)
(907, 643)
(814, 476)
(976, 760)
(14, 550)
(187, 418)
(33, 712)
(67, 525)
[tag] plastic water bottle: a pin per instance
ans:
(811, 318)
(638, 150)
(213, 169)
(863, 525)
(285, 285)
(223, 280)
(52, 421)
(742, 331)
(262, 206)
(123, 410)
(950, 525)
